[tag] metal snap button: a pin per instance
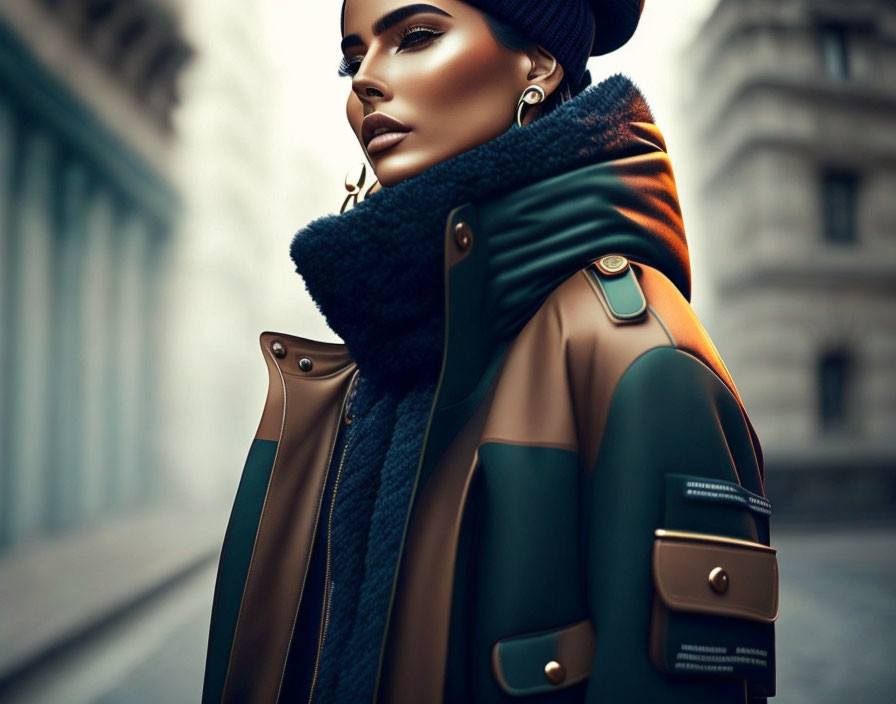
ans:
(555, 672)
(278, 349)
(718, 580)
(305, 364)
(612, 264)
(463, 235)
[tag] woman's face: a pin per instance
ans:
(437, 70)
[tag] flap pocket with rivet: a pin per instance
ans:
(544, 661)
(716, 575)
(714, 608)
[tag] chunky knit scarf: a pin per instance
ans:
(376, 274)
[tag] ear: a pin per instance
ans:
(546, 71)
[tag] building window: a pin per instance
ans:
(835, 375)
(838, 206)
(835, 51)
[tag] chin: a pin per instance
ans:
(389, 176)
(388, 179)
(392, 169)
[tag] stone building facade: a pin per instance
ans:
(792, 107)
(87, 213)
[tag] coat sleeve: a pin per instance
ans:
(677, 455)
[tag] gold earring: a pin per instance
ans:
(531, 96)
(354, 182)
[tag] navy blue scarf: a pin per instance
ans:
(377, 275)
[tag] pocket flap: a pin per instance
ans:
(712, 574)
(544, 661)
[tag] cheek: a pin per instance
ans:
(466, 79)
(456, 94)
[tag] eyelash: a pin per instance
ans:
(349, 67)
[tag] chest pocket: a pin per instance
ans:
(716, 584)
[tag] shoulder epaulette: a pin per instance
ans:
(620, 291)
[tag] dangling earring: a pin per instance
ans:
(354, 185)
(532, 95)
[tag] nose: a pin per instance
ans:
(369, 86)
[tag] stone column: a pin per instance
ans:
(30, 431)
(131, 312)
(68, 390)
(156, 480)
(96, 350)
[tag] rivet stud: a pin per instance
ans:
(278, 349)
(463, 235)
(612, 264)
(555, 672)
(305, 364)
(718, 580)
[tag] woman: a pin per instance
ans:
(527, 471)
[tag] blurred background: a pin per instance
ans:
(156, 157)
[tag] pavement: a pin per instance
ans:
(835, 633)
(61, 590)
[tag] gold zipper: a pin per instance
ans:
(325, 607)
(327, 617)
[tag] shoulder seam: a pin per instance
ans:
(662, 325)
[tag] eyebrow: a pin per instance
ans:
(392, 18)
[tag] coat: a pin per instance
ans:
(588, 521)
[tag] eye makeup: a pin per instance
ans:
(349, 67)
(411, 37)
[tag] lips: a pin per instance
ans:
(379, 131)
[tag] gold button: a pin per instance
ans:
(718, 580)
(463, 235)
(612, 264)
(555, 672)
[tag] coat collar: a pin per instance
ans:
(589, 178)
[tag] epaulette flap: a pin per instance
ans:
(621, 293)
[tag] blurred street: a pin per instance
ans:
(835, 632)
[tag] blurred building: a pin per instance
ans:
(793, 112)
(87, 210)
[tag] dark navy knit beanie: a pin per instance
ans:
(572, 30)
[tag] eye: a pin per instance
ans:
(412, 36)
(349, 67)
(418, 35)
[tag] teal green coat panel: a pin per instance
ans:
(233, 565)
(545, 545)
